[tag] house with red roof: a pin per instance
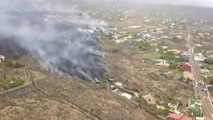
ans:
(185, 66)
(174, 116)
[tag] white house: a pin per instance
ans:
(119, 84)
(2, 58)
(126, 95)
(199, 57)
(162, 62)
(164, 47)
(200, 118)
(179, 37)
(146, 36)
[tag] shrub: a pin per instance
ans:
(145, 45)
(209, 61)
(11, 64)
(141, 101)
(103, 83)
(15, 57)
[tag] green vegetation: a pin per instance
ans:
(164, 99)
(15, 57)
(103, 83)
(152, 55)
(171, 57)
(174, 66)
(209, 61)
(195, 106)
(173, 60)
(170, 99)
(7, 84)
(145, 45)
(12, 64)
(155, 111)
(141, 101)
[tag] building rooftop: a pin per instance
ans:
(174, 116)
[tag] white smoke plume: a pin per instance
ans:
(61, 36)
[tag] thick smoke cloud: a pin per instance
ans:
(61, 37)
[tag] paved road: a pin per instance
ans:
(199, 86)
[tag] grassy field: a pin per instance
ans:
(9, 83)
(152, 55)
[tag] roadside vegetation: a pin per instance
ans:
(175, 67)
(170, 57)
(209, 61)
(152, 108)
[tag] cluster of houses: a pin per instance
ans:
(152, 34)
(179, 54)
(119, 89)
(186, 66)
(193, 109)
(184, 55)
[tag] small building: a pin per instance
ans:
(120, 41)
(174, 116)
(200, 118)
(164, 47)
(118, 84)
(173, 107)
(174, 51)
(188, 75)
(2, 58)
(188, 118)
(185, 55)
(165, 37)
(179, 37)
(162, 62)
(146, 36)
(185, 66)
(205, 71)
(148, 60)
(126, 95)
(199, 57)
(198, 45)
(149, 98)
(147, 21)
(134, 26)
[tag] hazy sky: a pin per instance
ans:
(208, 3)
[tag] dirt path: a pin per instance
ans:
(71, 104)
